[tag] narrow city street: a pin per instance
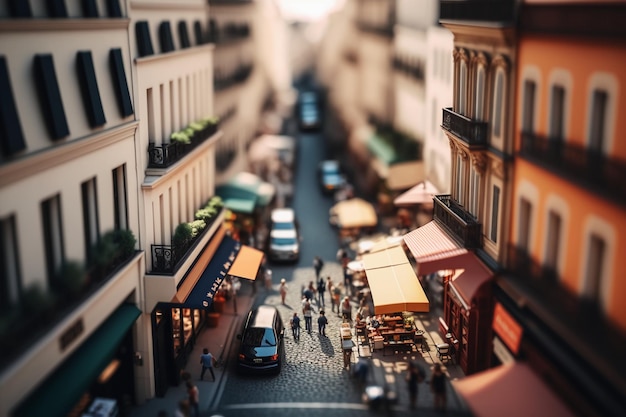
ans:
(313, 379)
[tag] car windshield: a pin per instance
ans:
(283, 226)
(282, 241)
(259, 337)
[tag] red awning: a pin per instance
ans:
(511, 390)
(469, 277)
(433, 249)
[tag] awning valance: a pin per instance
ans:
(244, 191)
(393, 283)
(433, 249)
(511, 390)
(227, 257)
(63, 389)
(354, 213)
(470, 277)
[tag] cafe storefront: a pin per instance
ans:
(177, 323)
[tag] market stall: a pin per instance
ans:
(352, 216)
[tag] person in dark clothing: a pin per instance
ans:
(295, 326)
(413, 377)
(208, 361)
(438, 387)
(317, 265)
(322, 321)
(321, 289)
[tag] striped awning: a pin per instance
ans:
(433, 249)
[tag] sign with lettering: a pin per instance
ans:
(507, 328)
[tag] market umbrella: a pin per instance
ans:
(354, 213)
(422, 193)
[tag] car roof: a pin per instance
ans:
(281, 215)
(263, 316)
(329, 163)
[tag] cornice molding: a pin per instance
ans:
(177, 53)
(172, 5)
(60, 25)
(36, 163)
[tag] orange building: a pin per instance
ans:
(559, 301)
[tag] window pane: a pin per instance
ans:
(557, 113)
(497, 103)
(528, 118)
(598, 120)
(524, 225)
(594, 267)
(495, 208)
(554, 235)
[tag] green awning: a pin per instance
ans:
(239, 205)
(382, 149)
(248, 189)
(59, 393)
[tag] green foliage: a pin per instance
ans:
(197, 227)
(35, 300)
(71, 278)
(216, 202)
(126, 241)
(206, 214)
(182, 238)
(180, 137)
(196, 126)
(104, 253)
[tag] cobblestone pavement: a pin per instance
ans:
(313, 379)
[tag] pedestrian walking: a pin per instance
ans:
(194, 398)
(322, 321)
(283, 290)
(329, 288)
(438, 387)
(295, 326)
(268, 279)
(336, 300)
(414, 376)
(318, 264)
(208, 361)
(346, 309)
(307, 312)
(321, 289)
(309, 291)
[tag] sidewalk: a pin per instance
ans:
(217, 340)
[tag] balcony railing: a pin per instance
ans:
(167, 154)
(590, 169)
(458, 221)
(472, 132)
(502, 11)
(167, 259)
(239, 75)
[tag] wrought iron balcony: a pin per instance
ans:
(167, 154)
(472, 132)
(590, 169)
(237, 76)
(167, 259)
(502, 11)
(458, 221)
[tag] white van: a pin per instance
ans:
(284, 238)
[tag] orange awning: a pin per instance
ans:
(247, 263)
(468, 278)
(433, 249)
(512, 390)
(354, 213)
(393, 283)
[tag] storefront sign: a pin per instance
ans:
(221, 275)
(71, 334)
(507, 328)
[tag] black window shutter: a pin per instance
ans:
(11, 135)
(50, 97)
(114, 9)
(144, 43)
(183, 33)
(56, 8)
(197, 30)
(90, 9)
(89, 89)
(116, 63)
(165, 37)
(20, 8)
